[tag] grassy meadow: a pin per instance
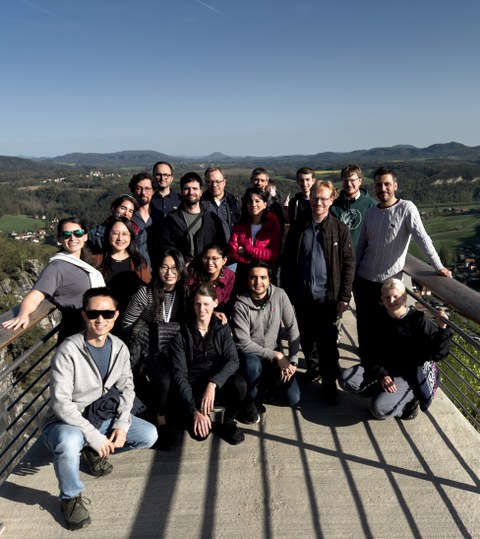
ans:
(19, 223)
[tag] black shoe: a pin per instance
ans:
(330, 394)
(249, 414)
(410, 410)
(231, 433)
(260, 408)
(312, 375)
(75, 512)
(97, 465)
(165, 438)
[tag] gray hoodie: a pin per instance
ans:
(256, 329)
(75, 382)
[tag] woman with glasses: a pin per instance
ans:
(257, 236)
(153, 318)
(63, 281)
(123, 267)
(210, 268)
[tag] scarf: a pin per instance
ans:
(96, 278)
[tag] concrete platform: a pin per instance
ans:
(319, 471)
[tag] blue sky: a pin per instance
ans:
(243, 77)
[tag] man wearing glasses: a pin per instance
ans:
(164, 199)
(319, 264)
(352, 202)
(219, 201)
(142, 186)
(91, 404)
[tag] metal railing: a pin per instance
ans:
(24, 385)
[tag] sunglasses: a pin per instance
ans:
(65, 234)
(93, 315)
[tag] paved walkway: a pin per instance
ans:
(317, 472)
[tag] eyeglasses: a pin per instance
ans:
(351, 180)
(93, 315)
(65, 234)
(316, 200)
(120, 234)
(212, 258)
(142, 189)
(165, 269)
(165, 175)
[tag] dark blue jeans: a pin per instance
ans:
(256, 370)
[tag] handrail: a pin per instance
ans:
(24, 392)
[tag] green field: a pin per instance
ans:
(19, 223)
(452, 231)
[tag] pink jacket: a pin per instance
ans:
(266, 246)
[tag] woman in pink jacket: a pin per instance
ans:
(257, 236)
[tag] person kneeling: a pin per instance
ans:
(204, 366)
(400, 373)
(91, 401)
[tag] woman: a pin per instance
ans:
(407, 344)
(153, 318)
(63, 281)
(257, 236)
(211, 268)
(204, 365)
(123, 267)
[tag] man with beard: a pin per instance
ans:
(142, 186)
(190, 228)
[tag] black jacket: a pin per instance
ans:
(221, 361)
(173, 233)
(339, 257)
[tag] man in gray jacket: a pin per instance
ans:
(91, 399)
(257, 317)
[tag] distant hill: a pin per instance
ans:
(145, 159)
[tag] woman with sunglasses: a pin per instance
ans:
(153, 318)
(210, 268)
(123, 267)
(257, 236)
(63, 281)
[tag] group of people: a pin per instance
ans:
(176, 302)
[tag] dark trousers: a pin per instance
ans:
(317, 323)
(152, 386)
(369, 311)
(231, 395)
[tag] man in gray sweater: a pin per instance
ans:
(257, 317)
(91, 400)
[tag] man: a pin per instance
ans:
(352, 202)
(190, 228)
(258, 315)
(260, 178)
(381, 251)
(91, 400)
(164, 200)
(142, 186)
(319, 261)
(122, 206)
(299, 206)
(219, 201)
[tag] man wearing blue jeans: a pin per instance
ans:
(91, 399)
(258, 315)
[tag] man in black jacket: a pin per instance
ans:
(319, 264)
(190, 228)
(219, 201)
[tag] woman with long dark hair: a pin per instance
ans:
(257, 236)
(63, 281)
(210, 267)
(153, 318)
(123, 267)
